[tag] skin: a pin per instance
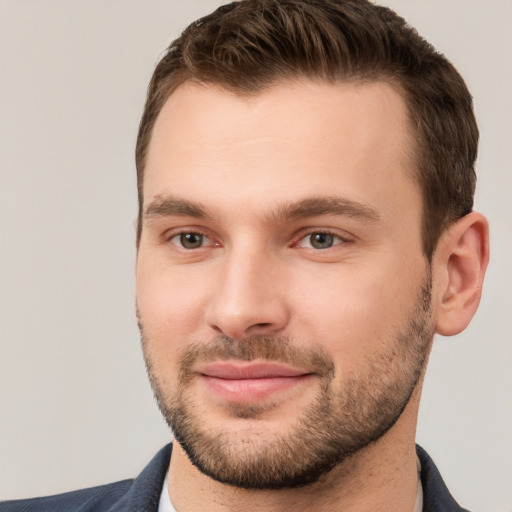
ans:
(244, 159)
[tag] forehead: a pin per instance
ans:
(289, 140)
(206, 108)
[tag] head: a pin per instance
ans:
(305, 181)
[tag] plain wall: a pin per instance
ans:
(75, 407)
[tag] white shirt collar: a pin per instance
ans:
(418, 504)
(165, 504)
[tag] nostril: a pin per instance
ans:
(263, 326)
(238, 315)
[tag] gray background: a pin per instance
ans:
(75, 408)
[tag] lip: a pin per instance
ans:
(248, 381)
(247, 370)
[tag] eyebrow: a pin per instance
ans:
(317, 206)
(169, 206)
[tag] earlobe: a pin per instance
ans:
(460, 262)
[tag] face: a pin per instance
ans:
(282, 292)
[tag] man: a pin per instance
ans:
(306, 181)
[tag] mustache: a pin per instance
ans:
(313, 358)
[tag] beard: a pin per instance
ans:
(342, 419)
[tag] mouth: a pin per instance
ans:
(250, 381)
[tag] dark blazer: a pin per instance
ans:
(143, 493)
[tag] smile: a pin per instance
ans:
(250, 382)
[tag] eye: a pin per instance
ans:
(320, 240)
(190, 240)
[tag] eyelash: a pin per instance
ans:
(339, 239)
(182, 232)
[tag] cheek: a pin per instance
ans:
(353, 312)
(168, 321)
(170, 302)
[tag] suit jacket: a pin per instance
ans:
(143, 493)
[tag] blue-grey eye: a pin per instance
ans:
(321, 240)
(191, 240)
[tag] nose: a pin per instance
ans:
(249, 296)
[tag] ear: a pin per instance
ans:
(459, 265)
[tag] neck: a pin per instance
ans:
(381, 477)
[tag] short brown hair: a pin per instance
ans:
(248, 45)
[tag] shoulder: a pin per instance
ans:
(139, 495)
(95, 499)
